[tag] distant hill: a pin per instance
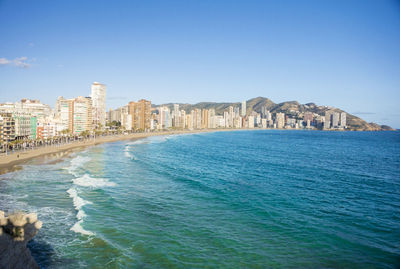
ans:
(289, 108)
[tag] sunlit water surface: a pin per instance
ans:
(246, 199)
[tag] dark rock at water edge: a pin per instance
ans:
(16, 230)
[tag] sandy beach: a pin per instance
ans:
(12, 162)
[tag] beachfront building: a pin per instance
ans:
(335, 120)
(62, 112)
(328, 119)
(204, 119)
(7, 128)
(98, 96)
(163, 117)
(73, 114)
(244, 109)
(251, 122)
(141, 114)
(46, 129)
(343, 120)
(280, 120)
(114, 115)
(22, 125)
(27, 106)
(80, 115)
(35, 108)
(197, 119)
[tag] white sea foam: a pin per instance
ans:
(128, 154)
(77, 162)
(77, 201)
(78, 204)
(88, 181)
(138, 142)
(78, 229)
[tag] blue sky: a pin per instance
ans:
(339, 53)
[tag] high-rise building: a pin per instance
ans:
(335, 119)
(80, 115)
(328, 119)
(244, 109)
(62, 112)
(251, 122)
(280, 120)
(141, 114)
(163, 117)
(189, 121)
(264, 123)
(7, 128)
(22, 125)
(99, 104)
(343, 119)
(197, 118)
(204, 118)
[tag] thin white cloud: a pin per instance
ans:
(4, 61)
(19, 62)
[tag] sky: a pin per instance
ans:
(343, 53)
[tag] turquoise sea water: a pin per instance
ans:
(245, 199)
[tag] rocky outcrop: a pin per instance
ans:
(16, 230)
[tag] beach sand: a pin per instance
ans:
(14, 161)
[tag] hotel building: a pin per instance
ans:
(141, 113)
(98, 96)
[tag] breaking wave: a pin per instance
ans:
(87, 181)
(78, 204)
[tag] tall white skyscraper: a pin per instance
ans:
(343, 119)
(243, 108)
(99, 103)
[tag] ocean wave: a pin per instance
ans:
(78, 204)
(77, 162)
(149, 140)
(128, 154)
(138, 142)
(88, 181)
(77, 228)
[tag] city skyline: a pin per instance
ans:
(340, 54)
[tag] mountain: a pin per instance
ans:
(289, 108)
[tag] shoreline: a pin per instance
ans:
(12, 162)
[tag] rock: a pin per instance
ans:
(16, 231)
(38, 225)
(17, 219)
(31, 218)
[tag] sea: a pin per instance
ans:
(239, 199)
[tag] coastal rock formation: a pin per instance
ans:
(16, 230)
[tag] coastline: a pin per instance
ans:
(12, 162)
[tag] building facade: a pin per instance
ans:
(98, 96)
(141, 114)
